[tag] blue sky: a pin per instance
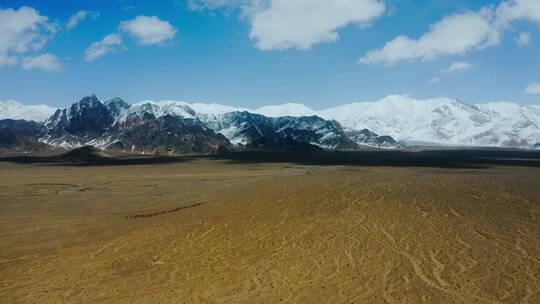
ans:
(235, 52)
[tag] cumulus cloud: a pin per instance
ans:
(300, 24)
(458, 34)
(458, 66)
(22, 31)
(533, 88)
(80, 16)
(297, 24)
(454, 34)
(45, 62)
(513, 10)
(109, 44)
(523, 39)
(148, 30)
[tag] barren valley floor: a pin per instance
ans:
(215, 231)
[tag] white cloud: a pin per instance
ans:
(523, 39)
(300, 24)
(80, 16)
(45, 62)
(148, 30)
(22, 31)
(513, 10)
(458, 34)
(110, 44)
(297, 24)
(458, 66)
(453, 35)
(533, 88)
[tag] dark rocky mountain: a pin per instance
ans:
(315, 130)
(242, 127)
(369, 138)
(116, 106)
(247, 128)
(21, 136)
(110, 126)
(88, 118)
(167, 134)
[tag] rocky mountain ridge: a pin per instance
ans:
(381, 124)
(174, 127)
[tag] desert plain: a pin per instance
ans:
(402, 229)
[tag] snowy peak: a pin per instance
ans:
(162, 108)
(117, 107)
(85, 118)
(214, 109)
(443, 121)
(287, 109)
(117, 104)
(88, 102)
(10, 109)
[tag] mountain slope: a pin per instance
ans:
(166, 134)
(21, 135)
(368, 138)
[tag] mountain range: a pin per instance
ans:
(178, 127)
(444, 121)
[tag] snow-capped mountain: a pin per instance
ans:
(439, 121)
(141, 128)
(79, 124)
(174, 126)
(245, 128)
(443, 121)
(242, 126)
(287, 109)
(371, 139)
(10, 109)
(179, 108)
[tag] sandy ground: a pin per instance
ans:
(210, 232)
